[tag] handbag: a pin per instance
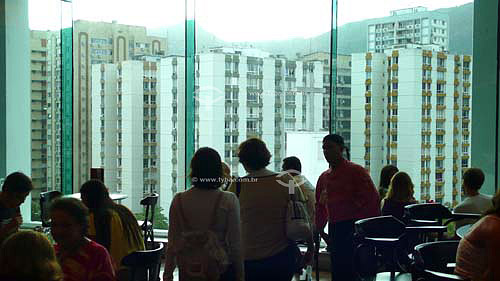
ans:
(298, 226)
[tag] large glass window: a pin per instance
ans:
(108, 89)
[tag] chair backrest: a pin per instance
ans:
(45, 199)
(380, 227)
(435, 256)
(144, 265)
(427, 211)
(150, 203)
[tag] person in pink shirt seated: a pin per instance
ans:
(81, 259)
(478, 254)
(345, 193)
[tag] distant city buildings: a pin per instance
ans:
(45, 112)
(405, 102)
(411, 108)
(409, 28)
(138, 118)
(100, 43)
(342, 120)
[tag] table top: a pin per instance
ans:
(463, 230)
(114, 196)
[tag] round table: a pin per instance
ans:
(463, 230)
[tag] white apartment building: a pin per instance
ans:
(406, 28)
(411, 108)
(138, 109)
(240, 93)
(125, 127)
(342, 120)
(100, 43)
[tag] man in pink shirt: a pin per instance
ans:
(345, 193)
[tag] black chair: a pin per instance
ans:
(385, 243)
(147, 225)
(432, 214)
(143, 265)
(379, 242)
(433, 260)
(45, 199)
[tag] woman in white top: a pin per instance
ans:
(204, 207)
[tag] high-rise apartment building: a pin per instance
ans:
(408, 27)
(240, 93)
(411, 108)
(138, 109)
(45, 110)
(342, 120)
(125, 127)
(100, 43)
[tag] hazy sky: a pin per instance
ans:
(230, 20)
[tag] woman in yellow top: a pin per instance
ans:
(111, 225)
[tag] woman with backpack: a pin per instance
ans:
(204, 226)
(264, 198)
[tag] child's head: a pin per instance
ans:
(400, 188)
(292, 165)
(29, 255)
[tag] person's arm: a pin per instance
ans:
(173, 236)
(11, 226)
(491, 237)
(364, 190)
(321, 207)
(233, 237)
(104, 270)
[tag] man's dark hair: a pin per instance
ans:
(17, 182)
(254, 154)
(338, 139)
(473, 178)
(206, 169)
(292, 163)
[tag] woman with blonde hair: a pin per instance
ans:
(399, 195)
(29, 255)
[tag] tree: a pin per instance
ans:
(160, 220)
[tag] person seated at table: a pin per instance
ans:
(15, 189)
(400, 194)
(478, 254)
(81, 259)
(112, 225)
(386, 175)
(29, 255)
(475, 203)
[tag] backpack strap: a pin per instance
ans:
(214, 212)
(184, 220)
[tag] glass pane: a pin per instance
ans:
(262, 70)
(406, 84)
(46, 96)
(121, 110)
